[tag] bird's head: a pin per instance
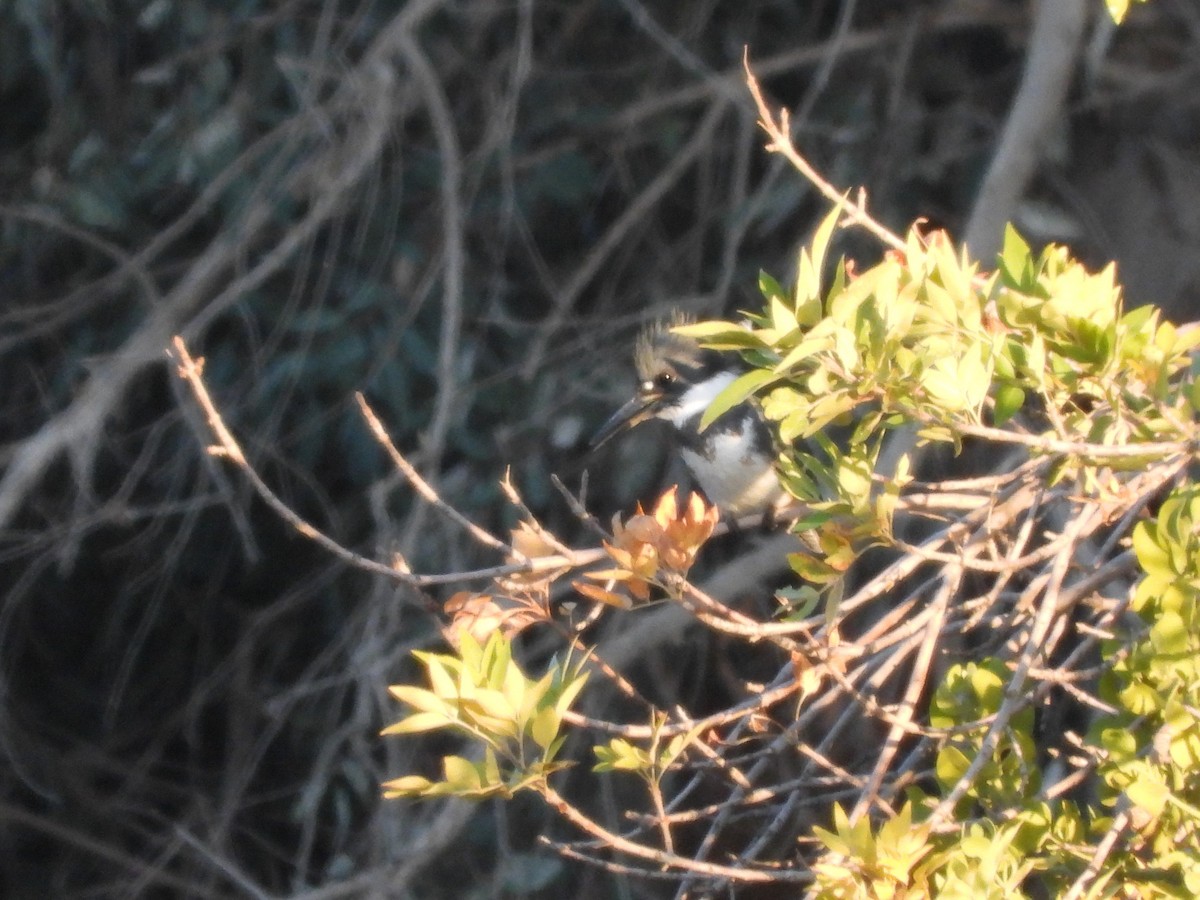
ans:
(677, 380)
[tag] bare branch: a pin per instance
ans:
(191, 371)
(779, 131)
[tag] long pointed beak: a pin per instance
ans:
(638, 409)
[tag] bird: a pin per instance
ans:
(733, 459)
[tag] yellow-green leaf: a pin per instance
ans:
(951, 765)
(1009, 400)
(769, 287)
(461, 772)
(406, 786)
(1152, 556)
(569, 693)
(1119, 8)
(620, 754)
(418, 722)
(783, 320)
(421, 699)
(544, 727)
(492, 704)
(721, 335)
(437, 667)
(1148, 793)
(737, 391)
(1016, 261)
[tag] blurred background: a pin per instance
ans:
(464, 210)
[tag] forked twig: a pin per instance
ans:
(191, 370)
(423, 488)
(779, 130)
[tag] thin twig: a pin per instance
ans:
(779, 130)
(1104, 849)
(1015, 695)
(915, 688)
(1166, 451)
(191, 370)
(669, 860)
(423, 488)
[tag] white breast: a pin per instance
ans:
(738, 483)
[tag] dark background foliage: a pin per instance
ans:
(464, 210)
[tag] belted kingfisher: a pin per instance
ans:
(732, 460)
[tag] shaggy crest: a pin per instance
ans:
(657, 342)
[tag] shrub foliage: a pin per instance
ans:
(987, 670)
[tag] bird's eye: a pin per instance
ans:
(664, 380)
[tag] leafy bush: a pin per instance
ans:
(1007, 684)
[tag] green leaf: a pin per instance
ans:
(544, 727)
(519, 691)
(988, 686)
(769, 287)
(437, 667)
(1152, 556)
(622, 755)
(812, 569)
(492, 704)
(1016, 262)
(783, 320)
(807, 296)
(951, 765)
(1148, 793)
(721, 335)
(418, 722)
(737, 391)
(824, 233)
(815, 342)
(798, 602)
(1170, 635)
(497, 658)
(1121, 743)
(462, 773)
(406, 786)
(568, 694)
(1009, 400)
(832, 842)
(836, 840)
(421, 699)
(471, 654)
(1140, 699)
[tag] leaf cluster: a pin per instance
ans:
(650, 762)
(481, 693)
(923, 342)
(1041, 354)
(1037, 357)
(652, 549)
(1148, 746)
